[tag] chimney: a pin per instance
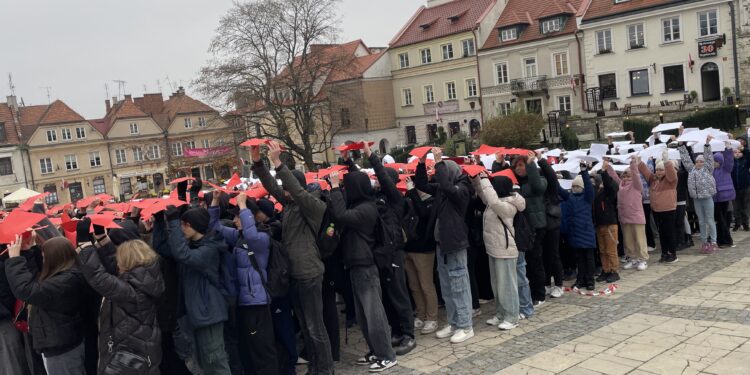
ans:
(180, 91)
(114, 101)
(128, 97)
(108, 104)
(12, 102)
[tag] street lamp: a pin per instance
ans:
(737, 114)
(661, 117)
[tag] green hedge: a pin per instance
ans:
(724, 118)
(640, 128)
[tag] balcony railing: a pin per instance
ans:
(532, 85)
(528, 85)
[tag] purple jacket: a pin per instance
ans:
(629, 197)
(248, 283)
(723, 176)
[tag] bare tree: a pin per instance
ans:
(274, 57)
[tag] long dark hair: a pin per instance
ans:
(59, 256)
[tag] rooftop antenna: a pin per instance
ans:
(171, 86)
(120, 87)
(47, 88)
(145, 88)
(106, 91)
(158, 85)
(11, 86)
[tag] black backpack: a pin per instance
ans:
(384, 248)
(278, 279)
(521, 232)
(327, 236)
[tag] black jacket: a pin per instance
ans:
(391, 206)
(7, 300)
(55, 320)
(605, 201)
(452, 200)
(682, 184)
(358, 222)
(426, 225)
(551, 197)
(497, 167)
(129, 314)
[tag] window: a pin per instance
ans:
(551, 25)
(708, 23)
(529, 64)
(501, 73)
(3, 136)
(66, 134)
(411, 135)
(604, 41)
(508, 34)
(450, 90)
(432, 132)
(99, 187)
(636, 38)
(346, 118)
(426, 56)
(639, 82)
(407, 96)
(80, 133)
(6, 166)
(71, 162)
(133, 128)
(202, 122)
(563, 104)
(189, 144)
(137, 154)
(51, 135)
(561, 63)
(608, 86)
(671, 29)
(45, 165)
(503, 109)
(153, 152)
(447, 51)
(120, 156)
(51, 197)
(471, 88)
(95, 160)
(674, 79)
(429, 95)
(468, 47)
(125, 187)
(188, 123)
(206, 143)
(403, 60)
(177, 149)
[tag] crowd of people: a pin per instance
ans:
(226, 281)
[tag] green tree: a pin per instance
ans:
(518, 129)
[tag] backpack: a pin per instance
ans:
(277, 280)
(521, 233)
(327, 238)
(410, 221)
(385, 245)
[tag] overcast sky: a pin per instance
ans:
(77, 46)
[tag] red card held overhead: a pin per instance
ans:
(255, 142)
(234, 181)
(354, 146)
(28, 204)
(420, 152)
(516, 151)
(181, 179)
(507, 173)
(325, 172)
(487, 150)
(16, 223)
(473, 170)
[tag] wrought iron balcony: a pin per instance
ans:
(528, 85)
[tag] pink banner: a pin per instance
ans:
(206, 152)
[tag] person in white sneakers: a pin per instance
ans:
(498, 233)
(631, 215)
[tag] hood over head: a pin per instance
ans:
(719, 157)
(357, 188)
(392, 173)
(503, 186)
(453, 170)
(127, 232)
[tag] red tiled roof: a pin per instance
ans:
(358, 67)
(604, 8)
(6, 117)
(121, 110)
(59, 113)
(437, 17)
(30, 115)
(101, 125)
(183, 104)
(529, 13)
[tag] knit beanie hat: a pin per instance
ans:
(197, 218)
(700, 157)
(578, 181)
(265, 206)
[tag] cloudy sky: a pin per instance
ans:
(75, 47)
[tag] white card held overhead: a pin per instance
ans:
(553, 153)
(617, 134)
(487, 161)
(565, 184)
(666, 127)
(572, 167)
(598, 149)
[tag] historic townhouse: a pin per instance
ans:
(434, 68)
(12, 163)
(656, 52)
(531, 60)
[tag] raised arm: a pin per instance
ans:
(728, 160)
(499, 207)
(160, 237)
(269, 182)
(387, 186)
(708, 157)
(421, 181)
(26, 286)
(104, 283)
(687, 161)
(538, 184)
(612, 174)
(354, 219)
(312, 207)
(196, 258)
(588, 188)
(549, 175)
(452, 191)
(258, 242)
(643, 169)
(670, 172)
(230, 235)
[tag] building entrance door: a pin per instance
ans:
(710, 82)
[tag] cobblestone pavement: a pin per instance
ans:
(690, 317)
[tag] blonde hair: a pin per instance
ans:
(135, 253)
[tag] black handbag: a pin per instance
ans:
(124, 361)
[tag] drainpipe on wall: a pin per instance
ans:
(31, 169)
(479, 79)
(115, 182)
(734, 51)
(580, 66)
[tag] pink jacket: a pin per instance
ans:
(629, 198)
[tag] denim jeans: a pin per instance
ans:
(454, 286)
(504, 281)
(368, 303)
(704, 208)
(526, 307)
(68, 363)
(307, 300)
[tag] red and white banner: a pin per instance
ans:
(206, 152)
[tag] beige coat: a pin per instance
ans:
(498, 242)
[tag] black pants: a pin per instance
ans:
(742, 207)
(551, 254)
(585, 260)
(471, 261)
(535, 267)
(331, 318)
(679, 226)
(286, 337)
(723, 217)
(232, 343)
(665, 223)
(650, 242)
(171, 363)
(307, 300)
(257, 341)
(396, 300)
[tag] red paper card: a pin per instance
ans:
(507, 173)
(420, 152)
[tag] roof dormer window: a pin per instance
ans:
(551, 25)
(508, 34)
(456, 17)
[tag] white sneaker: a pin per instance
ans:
(476, 313)
(522, 317)
(382, 365)
(462, 335)
(650, 249)
(494, 321)
(547, 290)
(630, 264)
(418, 323)
(446, 332)
(624, 260)
(430, 326)
(557, 292)
(642, 265)
(507, 326)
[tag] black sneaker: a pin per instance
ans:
(382, 365)
(613, 277)
(407, 345)
(736, 228)
(367, 360)
(396, 340)
(746, 227)
(590, 287)
(672, 258)
(663, 258)
(602, 277)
